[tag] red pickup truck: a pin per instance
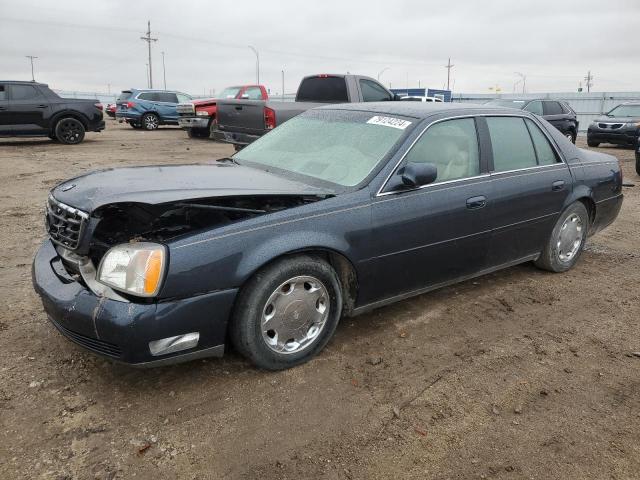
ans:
(198, 117)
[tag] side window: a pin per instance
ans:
(253, 93)
(3, 93)
(372, 92)
(149, 96)
(534, 107)
(545, 153)
(511, 143)
(552, 108)
(183, 97)
(24, 92)
(452, 146)
(167, 97)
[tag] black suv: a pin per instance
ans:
(620, 126)
(557, 112)
(30, 109)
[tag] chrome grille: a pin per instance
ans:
(65, 224)
(611, 126)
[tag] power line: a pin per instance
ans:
(148, 39)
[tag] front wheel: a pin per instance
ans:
(150, 121)
(70, 131)
(287, 312)
(566, 241)
(592, 143)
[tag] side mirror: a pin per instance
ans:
(418, 174)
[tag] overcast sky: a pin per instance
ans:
(90, 45)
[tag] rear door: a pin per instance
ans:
(166, 103)
(28, 109)
(530, 184)
(440, 232)
(5, 115)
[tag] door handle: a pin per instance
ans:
(474, 203)
(239, 107)
(3, 108)
(42, 106)
(557, 186)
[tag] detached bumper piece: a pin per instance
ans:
(141, 334)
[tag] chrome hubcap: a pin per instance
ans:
(570, 238)
(295, 314)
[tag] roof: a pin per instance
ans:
(17, 82)
(415, 109)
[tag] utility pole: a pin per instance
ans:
(255, 50)
(448, 66)
(589, 80)
(164, 72)
(146, 65)
(148, 39)
(31, 57)
(523, 79)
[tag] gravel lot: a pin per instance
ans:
(518, 374)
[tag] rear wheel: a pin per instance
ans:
(566, 241)
(571, 136)
(150, 121)
(70, 131)
(287, 312)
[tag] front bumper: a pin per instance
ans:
(234, 137)
(193, 122)
(122, 331)
(622, 136)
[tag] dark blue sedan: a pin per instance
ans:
(340, 210)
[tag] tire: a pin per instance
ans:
(198, 132)
(69, 131)
(150, 121)
(638, 162)
(309, 318)
(562, 252)
(136, 126)
(592, 143)
(571, 136)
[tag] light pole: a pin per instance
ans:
(524, 80)
(382, 71)
(255, 50)
(283, 85)
(31, 57)
(164, 72)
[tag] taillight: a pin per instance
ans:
(130, 104)
(98, 106)
(269, 118)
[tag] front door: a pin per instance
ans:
(28, 109)
(530, 184)
(429, 236)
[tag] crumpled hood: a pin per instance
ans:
(169, 183)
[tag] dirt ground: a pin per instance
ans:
(518, 374)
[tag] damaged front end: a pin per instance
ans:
(82, 239)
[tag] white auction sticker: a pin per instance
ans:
(389, 122)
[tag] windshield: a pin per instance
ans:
(124, 96)
(337, 146)
(519, 104)
(625, 111)
(230, 92)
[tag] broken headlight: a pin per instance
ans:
(136, 268)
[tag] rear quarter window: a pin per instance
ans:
(511, 144)
(149, 96)
(124, 96)
(552, 108)
(323, 89)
